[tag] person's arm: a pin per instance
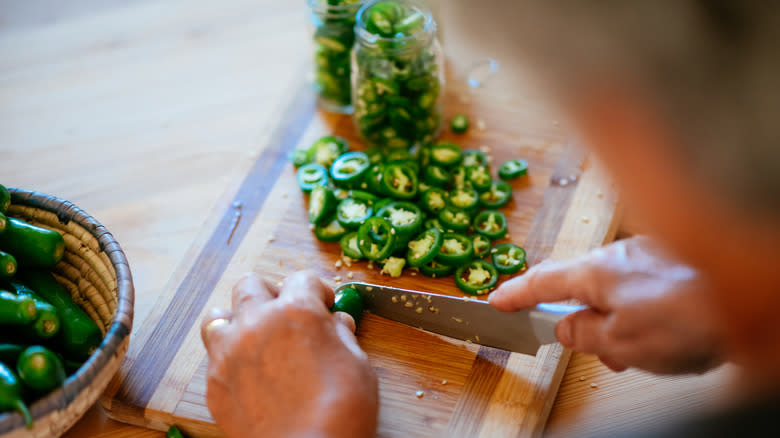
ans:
(280, 365)
(644, 310)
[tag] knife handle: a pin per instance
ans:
(546, 315)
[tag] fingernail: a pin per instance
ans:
(564, 333)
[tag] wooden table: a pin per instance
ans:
(141, 112)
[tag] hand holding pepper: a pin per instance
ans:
(281, 365)
(644, 310)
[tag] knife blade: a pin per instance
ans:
(465, 318)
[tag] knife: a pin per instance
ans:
(465, 318)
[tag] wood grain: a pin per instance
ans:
(148, 115)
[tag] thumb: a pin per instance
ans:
(345, 329)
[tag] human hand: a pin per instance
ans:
(281, 365)
(644, 310)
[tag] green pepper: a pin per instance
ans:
(405, 217)
(5, 199)
(349, 301)
(513, 169)
(374, 179)
(375, 155)
(349, 169)
(460, 177)
(434, 269)
(481, 245)
(476, 278)
(459, 124)
(173, 432)
(349, 246)
(446, 154)
(453, 219)
(326, 150)
(376, 239)
(491, 224)
(497, 196)
(362, 196)
(16, 310)
(433, 223)
(464, 198)
(456, 249)
(399, 181)
(8, 265)
(40, 369)
(312, 175)
(47, 323)
(11, 392)
(322, 203)
(434, 200)
(474, 157)
(352, 212)
(330, 230)
(424, 248)
(508, 258)
(436, 176)
(9, 353)
(479, 177)
(299, 157)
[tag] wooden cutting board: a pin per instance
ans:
(261, 224)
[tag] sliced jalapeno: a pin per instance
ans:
(434, 200)
(312, 175)
(435, 269)
(476, 278)
(326, 150)
(405, 217)
(349, 245)
(446, 154)
(459, 124)
(330, 230)
(456, 249)
(479, 177)
(424, 248)
(491, 224)
(375, 155)
(497, 196)
(513, 169)
(299, 157)
(508, 258)
(399, 181)
(381, 203)
(481, 245)
(374, 179)
(474, 157)
(433, 223)
(352, 212)
(460, 177)
(464, 198)
(349, 169)
(453, 219)
(436, 176)
(376, 239)
(322, 202)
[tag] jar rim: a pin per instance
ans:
(322, 7)
(364, 35)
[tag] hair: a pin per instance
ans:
(711, 66)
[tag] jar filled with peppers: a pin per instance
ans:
(333, 23)
(397, 74)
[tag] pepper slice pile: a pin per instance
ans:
(403, 223)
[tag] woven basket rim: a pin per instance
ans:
(121, 322)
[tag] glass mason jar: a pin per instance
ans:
(333, 23)
(397, 74)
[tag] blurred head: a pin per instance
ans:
(681, 101)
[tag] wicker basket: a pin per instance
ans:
(95, 271)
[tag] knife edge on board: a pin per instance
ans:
(465, 318)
